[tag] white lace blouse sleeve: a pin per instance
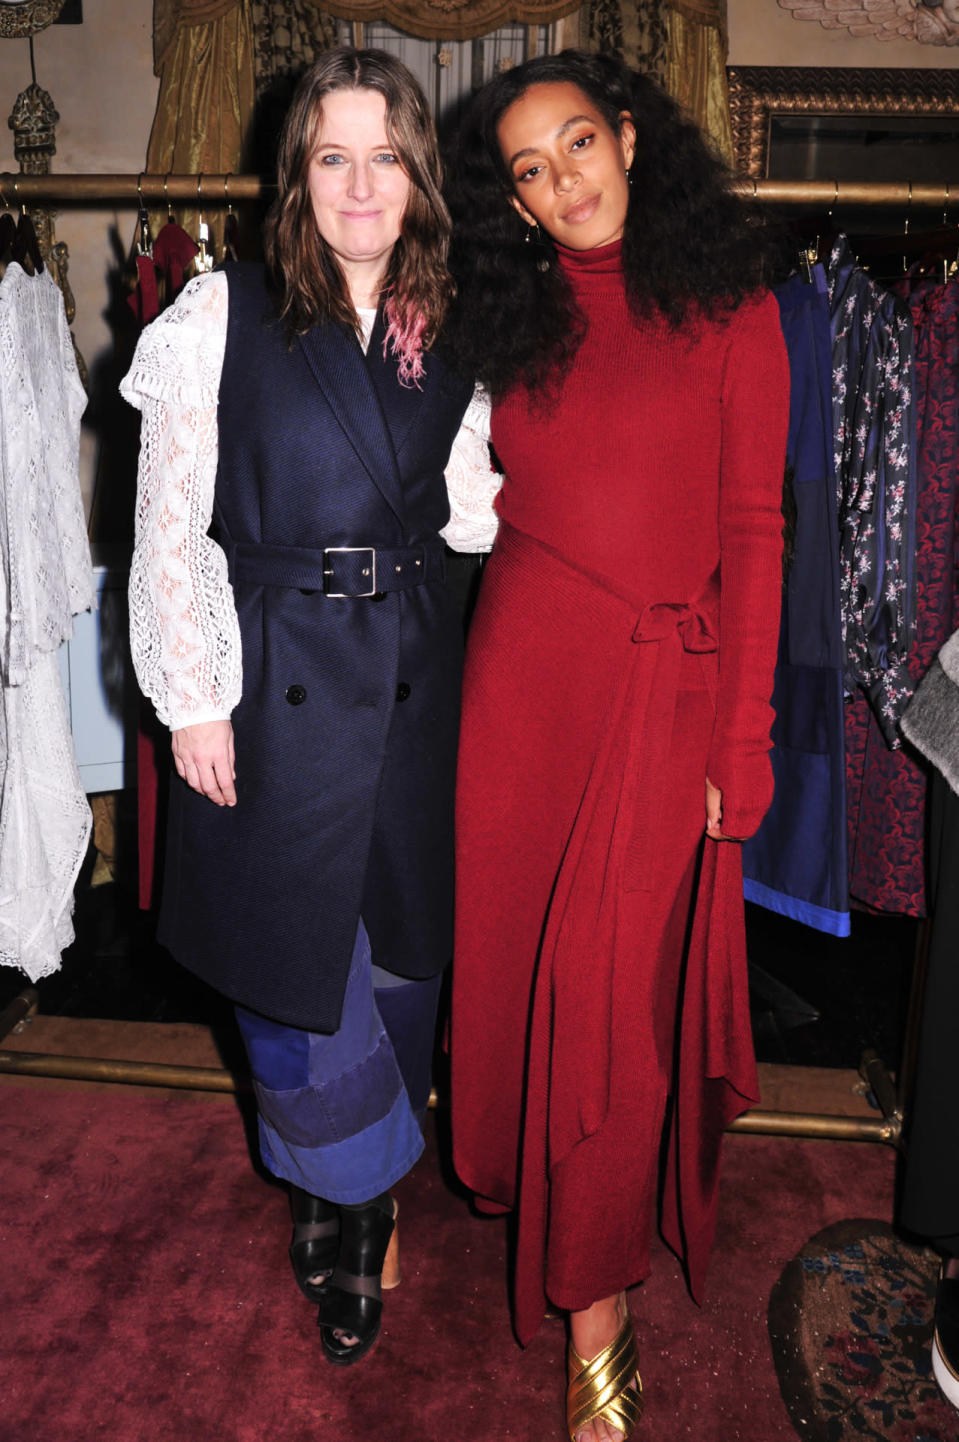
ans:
(184, 633)
(471, 481)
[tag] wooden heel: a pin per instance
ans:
(392, 1275)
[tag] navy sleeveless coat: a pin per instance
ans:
(347, 728)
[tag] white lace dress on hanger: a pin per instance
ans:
(46, 579)
(183, 628)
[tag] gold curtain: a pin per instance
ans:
(288, 36)
(204, 55)
(681, 43)
(635, 30)
(572, 32)
(451, 19)
(695, 73)
(169, 15)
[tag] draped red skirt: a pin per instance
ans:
(600, 1003)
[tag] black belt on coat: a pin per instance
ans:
(353, 571)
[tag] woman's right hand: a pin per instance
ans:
(204, 757)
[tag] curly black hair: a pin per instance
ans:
(690, 241)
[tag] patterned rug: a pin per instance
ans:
(850, 1321)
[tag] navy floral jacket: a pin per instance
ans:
(874, 430)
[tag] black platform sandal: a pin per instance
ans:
(351, 1303)
(316, 1242)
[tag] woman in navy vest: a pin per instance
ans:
(292, 624)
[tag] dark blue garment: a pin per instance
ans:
(341, 1115)
(347, 727)
(796, 863)
(874, 434)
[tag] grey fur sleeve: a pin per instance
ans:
(931, 720)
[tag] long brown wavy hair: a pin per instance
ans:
(417, 287)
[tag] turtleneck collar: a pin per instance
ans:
(593, 271)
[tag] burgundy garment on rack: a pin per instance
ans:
(168, 261)
(886, 790)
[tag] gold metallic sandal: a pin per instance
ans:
(604, 1387)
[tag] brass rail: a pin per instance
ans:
(218, 190)
(818, 1126)
(214, 1079)
(197, 190)
(107, 1069)
(826, 194)
(18, 1010)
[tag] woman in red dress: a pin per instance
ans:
(616, 711)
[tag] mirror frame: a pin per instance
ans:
(756, 93)
(17, 21)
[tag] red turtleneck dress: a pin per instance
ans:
(622, 650)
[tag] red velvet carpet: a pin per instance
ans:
(146, 1296)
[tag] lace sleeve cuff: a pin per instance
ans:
(179, 358)
(472, 483)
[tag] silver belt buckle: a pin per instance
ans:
(352, 551)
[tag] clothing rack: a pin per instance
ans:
(149, 189)
(216, 191)
(223, 190)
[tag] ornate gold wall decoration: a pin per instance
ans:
(33, 121)
(27, 18)
(931, 22)
(758, 92)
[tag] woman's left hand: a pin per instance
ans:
(714, 813)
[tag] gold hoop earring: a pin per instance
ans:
(534, 237)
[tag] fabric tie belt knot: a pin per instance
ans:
(678, 628)
(664, 618)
